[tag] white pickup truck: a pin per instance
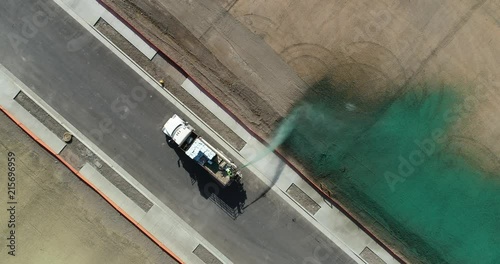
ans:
(212, 160)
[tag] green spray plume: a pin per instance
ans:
(394, 166)
(282, 133)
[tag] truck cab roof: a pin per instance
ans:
(177, 129)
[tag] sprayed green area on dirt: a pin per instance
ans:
(392, 165)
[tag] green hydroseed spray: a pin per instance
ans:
(393, 165)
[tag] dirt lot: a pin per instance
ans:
(373, 47)
(262, 57)
(184, 46)
(59, 219)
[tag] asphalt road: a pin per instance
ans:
(111, 104)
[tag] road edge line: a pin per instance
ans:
(91, 185)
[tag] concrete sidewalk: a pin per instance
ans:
(8, 92)
(175, 233)
(159, 220)
(329, 220)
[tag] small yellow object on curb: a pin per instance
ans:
(162, 83)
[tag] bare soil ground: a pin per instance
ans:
(375, 48)
(59, 219)
(219, 70)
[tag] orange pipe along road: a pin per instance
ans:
(77, 173)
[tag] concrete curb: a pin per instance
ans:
(193, 234)
(91, 185)
(263, 141)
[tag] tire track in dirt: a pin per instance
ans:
(444, 42)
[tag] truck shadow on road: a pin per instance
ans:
(231, 199)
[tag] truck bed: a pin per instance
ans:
(205, 155)
(216, 172)
(216, 163)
